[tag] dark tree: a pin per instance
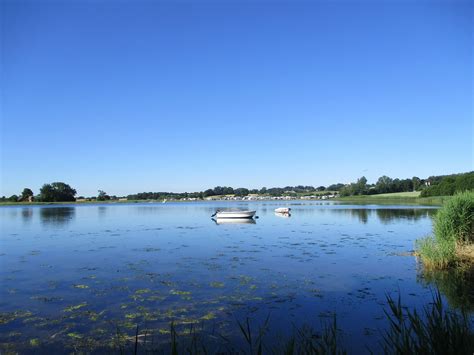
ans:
(13, 198)
(26, 194)
(102, 196)
(209, 192)
(57, 192)
(241, 191)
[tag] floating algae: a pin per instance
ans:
(34, 342)
(74, 335)
(75, 307)
(216, 284)
(11, 316)
(185, 295)
(208, 316)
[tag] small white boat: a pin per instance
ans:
(234, 214)
(283, 210)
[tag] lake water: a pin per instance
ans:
(75, 276)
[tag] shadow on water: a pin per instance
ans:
(457, 285)
(57, 216)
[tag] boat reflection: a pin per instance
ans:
(283, 215)
(234, 220)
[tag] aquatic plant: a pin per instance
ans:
(436, 330)
(453, 232)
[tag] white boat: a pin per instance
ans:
(283, 210)
(234, 214)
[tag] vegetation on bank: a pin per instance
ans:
(453, 234)
(384, 187)
(449, 185)
(445, 185)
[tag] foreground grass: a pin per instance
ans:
(433, 330)
(453, 234)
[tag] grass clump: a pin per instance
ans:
(453, 232)
(435, 330)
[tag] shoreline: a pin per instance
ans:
(363, 200)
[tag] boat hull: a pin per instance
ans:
(235, 214)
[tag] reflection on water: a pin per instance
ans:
(386, 215)
(457, 285)
(57, 215)
(234, 221)
(27, 214)
(412, 214)
(102, 211)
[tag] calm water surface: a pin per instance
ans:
(72, 274)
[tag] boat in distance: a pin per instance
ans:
(233, 214)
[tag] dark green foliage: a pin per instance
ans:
(241, 191)
(57, 192)
(449, 185)
(335, 187)
(26, 194)
(455, 221)
(13, 198)
(102, 196)
(453, 228)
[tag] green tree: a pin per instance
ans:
(209, 192)
(241, 192)
(57, 192)
(102, 196)
(384, 184)
(361, 186)
(416, 183)
(26, 194)
(13, 198)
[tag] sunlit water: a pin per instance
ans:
(72, 273)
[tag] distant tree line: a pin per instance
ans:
(443, 185)
(241, 192)
(448, 185)
(53, 192)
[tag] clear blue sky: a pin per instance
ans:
(130, 96)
